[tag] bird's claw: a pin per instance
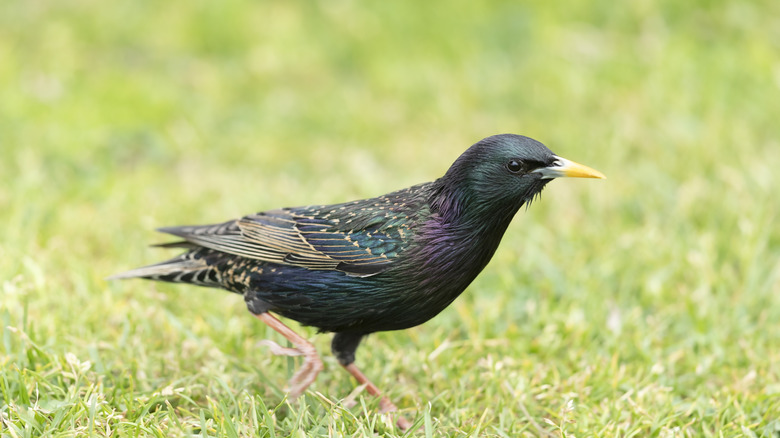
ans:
(402, 423)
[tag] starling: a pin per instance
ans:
(385, 263)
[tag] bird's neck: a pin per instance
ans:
(465, 215)
(466, 230)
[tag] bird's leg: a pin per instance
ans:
(344, 346)
(385, 405)
(278, 350)
(312, 364)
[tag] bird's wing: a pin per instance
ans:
(340, 237)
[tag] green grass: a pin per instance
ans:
(644, 305)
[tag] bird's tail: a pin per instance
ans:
(194, 267)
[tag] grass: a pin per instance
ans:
(645, 305)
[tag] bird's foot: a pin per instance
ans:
(402, 423)
(385, 405)
(312, 365)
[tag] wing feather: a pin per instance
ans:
(294, 237)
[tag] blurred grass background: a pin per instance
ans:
(645, 305)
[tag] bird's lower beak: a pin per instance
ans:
(566, 168)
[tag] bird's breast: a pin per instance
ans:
(438, 270)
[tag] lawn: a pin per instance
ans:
(644, 305)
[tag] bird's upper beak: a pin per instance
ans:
(563, 167)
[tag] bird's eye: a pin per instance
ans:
(514, 166)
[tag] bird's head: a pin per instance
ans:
(499, 174)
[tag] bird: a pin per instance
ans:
(386, 263)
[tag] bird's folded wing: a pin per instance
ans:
(302, 237)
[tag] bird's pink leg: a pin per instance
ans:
(312, 364)
(385, 405)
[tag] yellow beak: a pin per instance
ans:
(566, 168)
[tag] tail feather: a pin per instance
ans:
(177, 244)
(190, 267)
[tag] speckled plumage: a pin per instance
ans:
(384, 263)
